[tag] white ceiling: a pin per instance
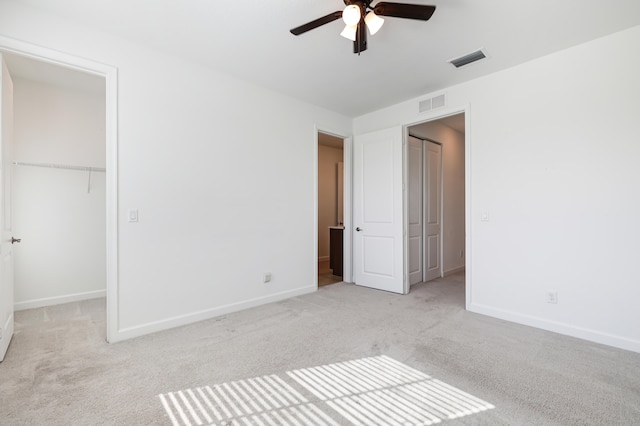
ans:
(250, 39)
(43, 72)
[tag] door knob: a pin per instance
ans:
(15, 240)
(359, 229)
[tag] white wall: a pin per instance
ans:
(53, 124)
(554, 156)
(62, 225)
(328, 159)
(221, 171)
(453, 226)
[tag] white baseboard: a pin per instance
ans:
(558, 327)
(323, 259)
(165, 324)
(453, 271)
(57, 300)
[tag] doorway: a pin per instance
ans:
(436, 162)
(331, 209)
(61, 61)
(58, 184)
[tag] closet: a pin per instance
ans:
(59, 200)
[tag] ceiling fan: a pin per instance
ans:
(359, 14)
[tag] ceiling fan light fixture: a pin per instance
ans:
(358, 14)
(351, 15)
(350, 32)
(374, 22)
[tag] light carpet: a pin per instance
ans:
(60, 371)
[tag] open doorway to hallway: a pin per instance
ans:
(330, 209)
(436, 198)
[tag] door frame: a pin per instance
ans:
(110, 74)
(424, 118)
(347, 235)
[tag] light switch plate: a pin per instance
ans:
(133, 215)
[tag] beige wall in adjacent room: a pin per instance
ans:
(328, 159)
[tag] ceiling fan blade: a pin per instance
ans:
(317, 23)
(404, 10)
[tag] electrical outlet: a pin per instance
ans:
(461, 253)
(552, 297)
(266, 278)
(0, 333)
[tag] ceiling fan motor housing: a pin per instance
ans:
(360, 43)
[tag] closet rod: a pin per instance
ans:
(61, 166)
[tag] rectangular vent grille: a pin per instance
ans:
(431, 103)
(437, 101)
(467, 59)
(424, 105)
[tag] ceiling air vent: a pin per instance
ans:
(467, 59)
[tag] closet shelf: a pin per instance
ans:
(60, 166)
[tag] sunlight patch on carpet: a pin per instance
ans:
(381, 390)
(266, 400)
(376, 390)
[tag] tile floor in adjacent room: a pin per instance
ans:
(325, 274)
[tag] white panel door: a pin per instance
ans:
(377, 211)
(415, 163)
(6, 243)
(432, 208)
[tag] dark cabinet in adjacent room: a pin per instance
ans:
(335, 249)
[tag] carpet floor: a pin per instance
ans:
(60, 371)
